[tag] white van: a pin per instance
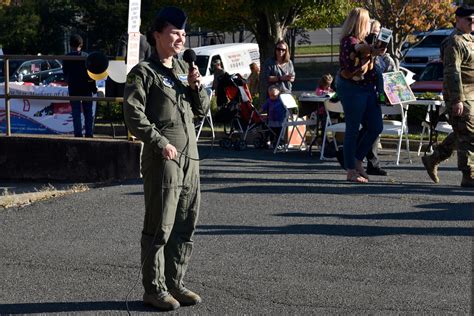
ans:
(235, 58)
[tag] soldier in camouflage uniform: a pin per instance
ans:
(457, 52)
(162, 95)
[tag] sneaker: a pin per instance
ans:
(162, 301)
(185, 297)
(376, 171)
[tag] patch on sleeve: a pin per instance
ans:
(133, 79)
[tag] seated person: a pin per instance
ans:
(276, 113)
(324, 85)
(324, 88)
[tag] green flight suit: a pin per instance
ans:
(457, 52)
(159, 107)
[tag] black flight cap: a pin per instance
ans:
(174, 16)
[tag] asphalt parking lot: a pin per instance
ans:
(278, 234)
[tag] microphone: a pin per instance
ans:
(189, 56)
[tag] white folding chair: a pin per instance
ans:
(441, 126)
(408, 74)
(395, 127)
(200, 124)
(332, 128)
(292, 120)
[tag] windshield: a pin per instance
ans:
(432, 72)
(432, 41)
(13, 64)
(201, 63)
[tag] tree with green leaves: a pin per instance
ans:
(19, 33)
(325, 15)
(43, 26)
(267, 20)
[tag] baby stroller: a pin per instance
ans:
(238, 114)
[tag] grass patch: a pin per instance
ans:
(316, 49)
(10, 199)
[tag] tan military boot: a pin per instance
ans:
(185, 297)
(467, 180)
(431, 166)
(162, 301)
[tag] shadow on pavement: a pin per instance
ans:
(437, 212)
(333, 230)
(318, 186)
(33, 308)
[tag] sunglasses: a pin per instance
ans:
(469, 19)
(281, 49)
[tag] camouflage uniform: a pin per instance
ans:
(457, 52)
(159, 107)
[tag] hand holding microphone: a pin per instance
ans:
(194, 77)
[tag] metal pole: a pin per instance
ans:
(7, 96)
(332, 31)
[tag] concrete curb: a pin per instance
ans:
(68, 159)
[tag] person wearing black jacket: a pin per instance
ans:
(79, 84)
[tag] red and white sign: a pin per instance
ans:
(29, 116)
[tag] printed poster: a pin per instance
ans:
(28, 116)
(396, 88)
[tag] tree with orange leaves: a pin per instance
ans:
(404, 17)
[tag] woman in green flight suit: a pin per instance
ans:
(162, 95)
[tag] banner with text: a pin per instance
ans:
(28, 116)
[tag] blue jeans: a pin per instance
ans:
(360, 107)
(86, 108)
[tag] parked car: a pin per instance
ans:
(13, 67)
(37, 70)
(430, 81)
(426, 50)
(56, 79)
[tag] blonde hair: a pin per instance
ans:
(374, 24)
(356, 24)
(325, 80)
